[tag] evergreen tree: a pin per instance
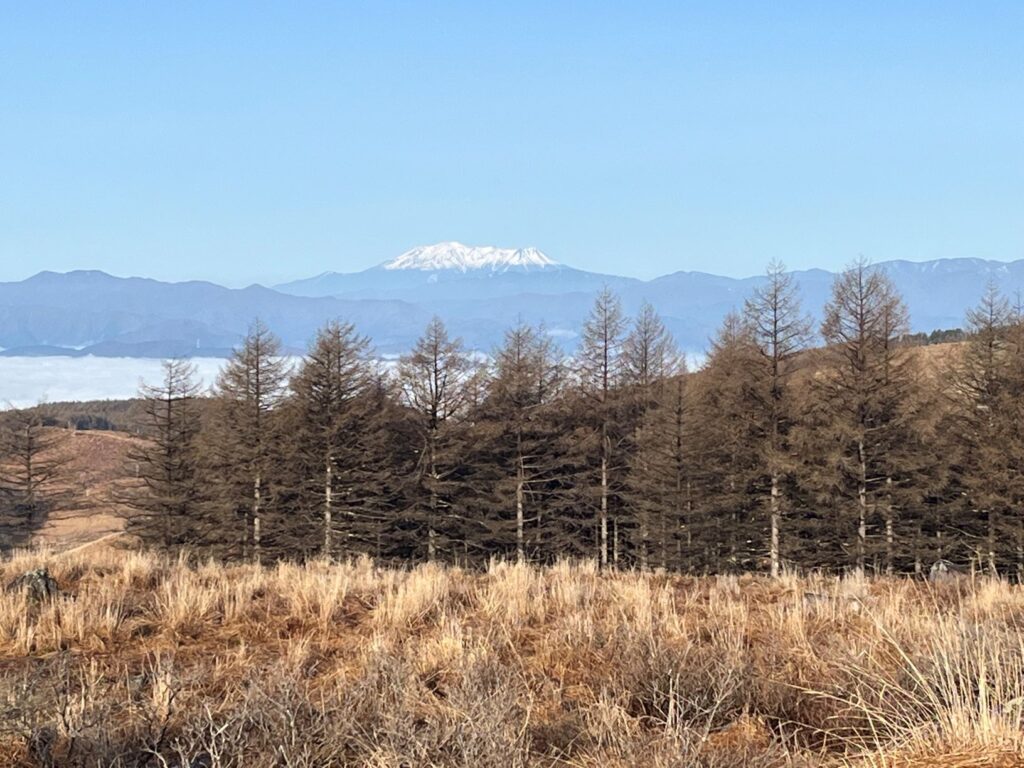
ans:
(31, 464)
(164, 492)
(649, 353)
(779, 332)
(984, 466)
(328, 420)
(391, 455)
(516, 434)
(660, 477)
(437, 379)
(599, 364)
(240, 440)
(863, 406)
(650, 359)
(725, 528)
(1012, 409)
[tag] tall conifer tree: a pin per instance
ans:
(600, 368)
(437, 383)
(328, 425)
(864, 407)
(239, 443)
(164, 491)
(779, 331)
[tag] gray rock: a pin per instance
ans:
(943, 570)
(38, 584)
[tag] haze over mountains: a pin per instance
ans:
(478, 291)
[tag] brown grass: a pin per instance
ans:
(151, 662)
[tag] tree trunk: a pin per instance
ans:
(862, 508)
(245, 538)
(645, 535)
(520, 547)
(890, 534)
(918, 547)
(257, 511)
(689, 524)
(603, 554)
(775, 519)
(662, 539)
(431, 529)
(992, 542)
(328, 493)
(1020, 551)
(682, 499)
(170, 426)
(30, 480)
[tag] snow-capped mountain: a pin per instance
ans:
(454, 255)
(453, 271)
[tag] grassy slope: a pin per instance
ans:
(346, 664)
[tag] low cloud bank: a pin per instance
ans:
(27, 381)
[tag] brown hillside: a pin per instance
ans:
(92, 464)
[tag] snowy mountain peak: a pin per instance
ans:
(467, 257)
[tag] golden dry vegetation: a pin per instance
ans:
(144, 661)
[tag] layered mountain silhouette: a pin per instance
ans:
(479, 292)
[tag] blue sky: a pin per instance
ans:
(260, 142)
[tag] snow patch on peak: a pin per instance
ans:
(463, 258)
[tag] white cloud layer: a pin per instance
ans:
(27, 381)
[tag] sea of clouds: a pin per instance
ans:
(27, 381)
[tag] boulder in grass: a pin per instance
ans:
(943, 570)
(37, 584)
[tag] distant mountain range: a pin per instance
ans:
(479, 292)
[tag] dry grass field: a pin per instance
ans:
(143, 661)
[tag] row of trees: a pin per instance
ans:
(849, 447)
